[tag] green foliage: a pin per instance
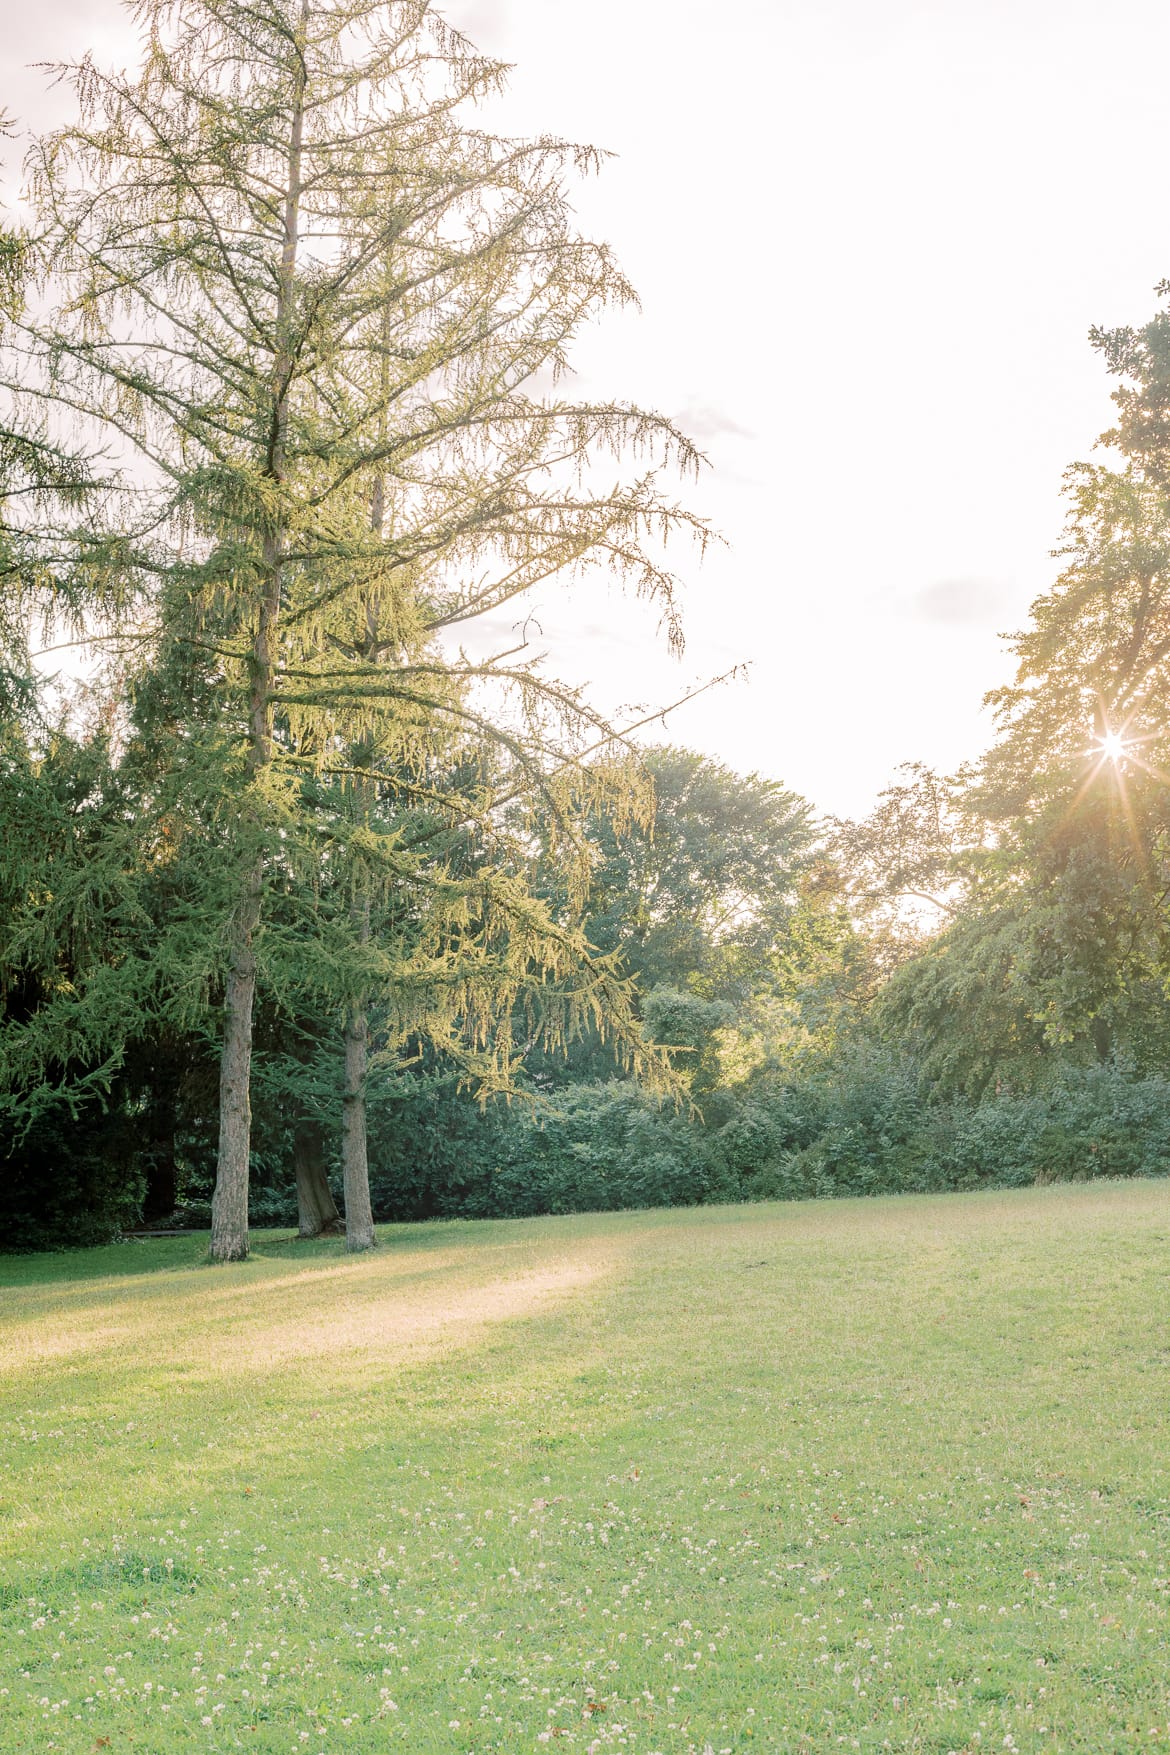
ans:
(700, 895)
(73, 1178)
(1092, 1121)
(717, 904)
(873, 1135)
(868, 1124)
(592, 1148)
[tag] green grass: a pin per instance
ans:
(867, 1475)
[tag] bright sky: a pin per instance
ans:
(870, 238)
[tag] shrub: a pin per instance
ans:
(592, 1148)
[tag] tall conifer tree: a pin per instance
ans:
(292, 280)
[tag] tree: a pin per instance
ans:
(698, 897)
(1061, 945)
(706, 904)
(905, 865)
(304, 296)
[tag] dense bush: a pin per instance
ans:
(869, 1125)
(595, 1147)
(1093, 1121)
(862, 1124)
(874, 1137)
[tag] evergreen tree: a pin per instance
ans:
(304, 297)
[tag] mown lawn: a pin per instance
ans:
(866, 1475)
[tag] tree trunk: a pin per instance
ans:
(316, 1209)
(162, 1183)
(359, 1219)
(1102, 1037)
(229, 1205)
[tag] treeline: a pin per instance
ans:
(825, 1043)
(312, 915)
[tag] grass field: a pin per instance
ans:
(866, 1475)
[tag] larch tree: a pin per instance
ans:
(301, 299)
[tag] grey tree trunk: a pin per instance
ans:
(359, 1219)
(229, 1205)
(316, 1209)
(355, 1167)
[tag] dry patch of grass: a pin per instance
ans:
(379, 1307)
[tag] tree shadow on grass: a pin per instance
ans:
(149, 1255)
(136, 1256)
(107, 1261)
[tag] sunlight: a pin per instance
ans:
(1115, 746)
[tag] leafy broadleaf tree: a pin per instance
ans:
(701, 902)
(302, 298)
(699, 897)
(908, 863)
(1061, 946)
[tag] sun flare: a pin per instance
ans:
(1113, 746)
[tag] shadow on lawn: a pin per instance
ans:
(149, 1255)
(107, 1261)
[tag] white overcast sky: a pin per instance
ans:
(870, 238)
